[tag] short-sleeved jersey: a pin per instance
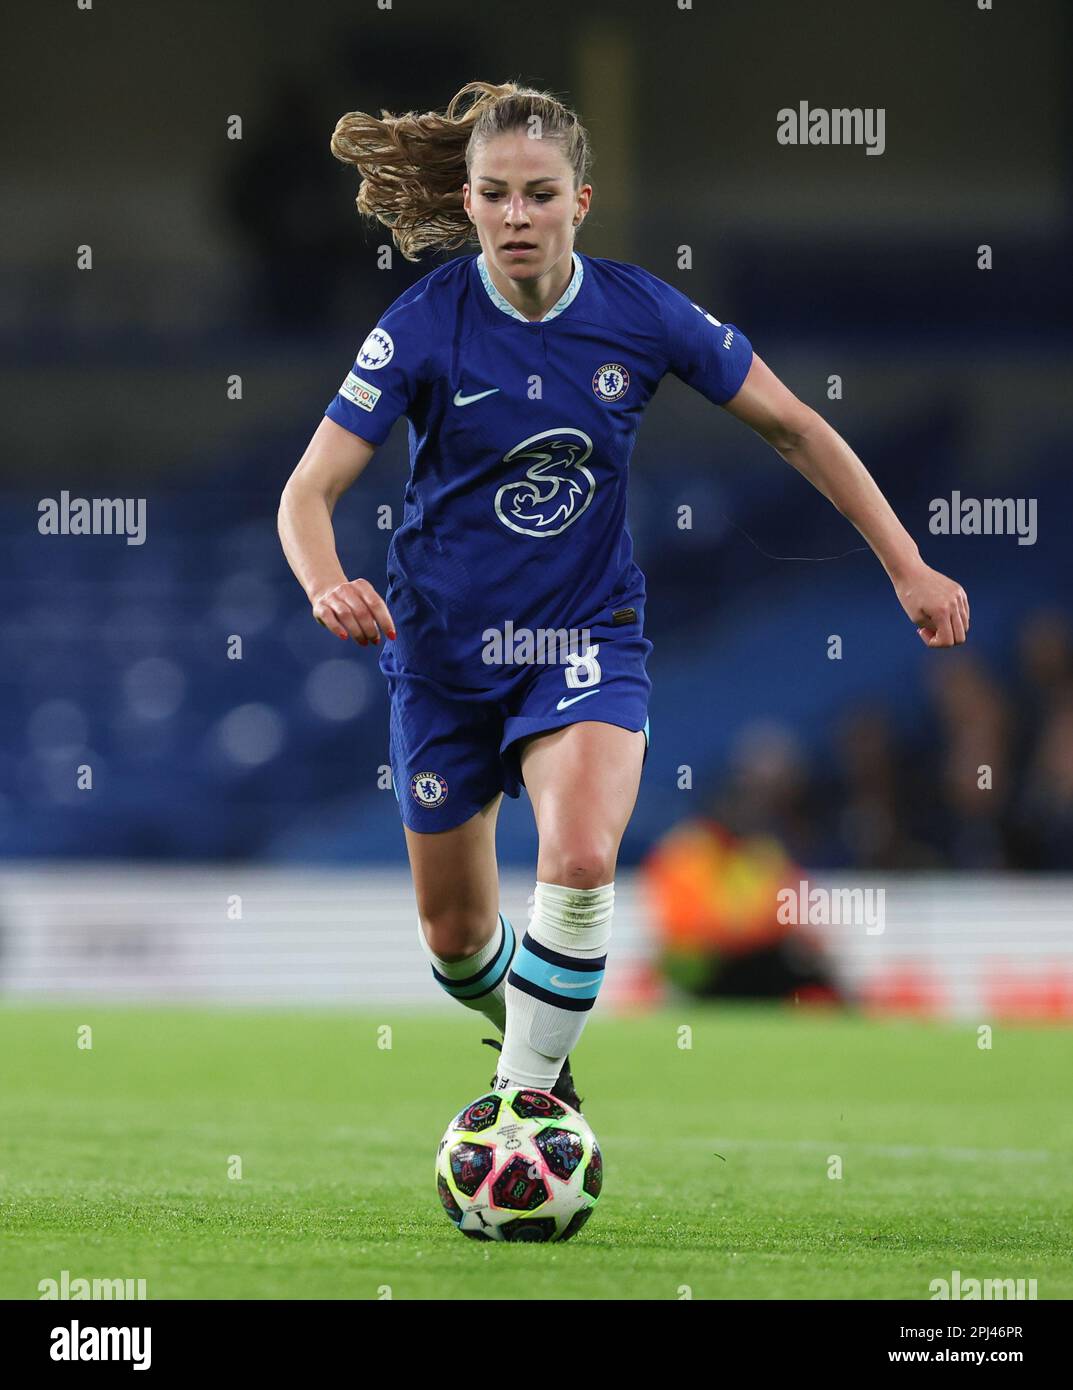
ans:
(520, 438)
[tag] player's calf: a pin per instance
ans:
(478, 981)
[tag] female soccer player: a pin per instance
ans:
(524, 372)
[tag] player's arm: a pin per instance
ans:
(333, 461)
(937, 605)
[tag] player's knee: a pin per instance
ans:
(456, 933)
(578, 861)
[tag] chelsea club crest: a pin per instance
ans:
(428, 789)
(611, 382)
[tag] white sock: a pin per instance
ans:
(553, 982)
(479, 981)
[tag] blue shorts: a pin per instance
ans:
(453, 750)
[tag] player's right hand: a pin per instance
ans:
(354, 609)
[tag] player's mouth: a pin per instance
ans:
(518, 248)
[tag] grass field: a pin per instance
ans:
(114, 1160)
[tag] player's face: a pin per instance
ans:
(523, 191)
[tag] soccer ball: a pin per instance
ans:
(519, 1165)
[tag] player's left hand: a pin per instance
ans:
(937, 605)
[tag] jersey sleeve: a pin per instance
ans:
(386, 375)
(712, 357)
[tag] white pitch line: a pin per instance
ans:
(843, 1146)
(962, 1155)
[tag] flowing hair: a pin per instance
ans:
(412, 167)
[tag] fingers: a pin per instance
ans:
(325, 616)
(944, 636)
(357, 618)
(353, 620)
(940, 613)
(943, 628)
(353, 610)
(375, 605)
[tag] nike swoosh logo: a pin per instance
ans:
(562, 984)
(575, 698)
(467, 400)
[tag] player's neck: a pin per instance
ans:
(534, 298)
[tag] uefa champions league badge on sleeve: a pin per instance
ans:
(428, 789)
(377, 350)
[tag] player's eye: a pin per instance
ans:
(491, 194)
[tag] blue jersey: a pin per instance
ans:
(520, 440)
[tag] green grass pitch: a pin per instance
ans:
(114, 1160)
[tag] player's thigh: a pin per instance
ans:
(456, 882)
(582, 780)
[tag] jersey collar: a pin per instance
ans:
(567, 298)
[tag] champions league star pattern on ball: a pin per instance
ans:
(519, 1166)
(520, 438)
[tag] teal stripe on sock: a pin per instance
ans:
(488, 979)
(557, 979)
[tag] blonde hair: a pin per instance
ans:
(413, 167)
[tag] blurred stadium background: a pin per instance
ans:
(238, 843)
